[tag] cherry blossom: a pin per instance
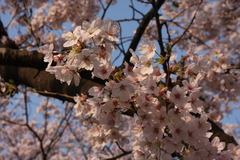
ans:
(102, 71)
(124, 90)
(48, 51)
(110, 30)
(166, 103)
(91, 29)
(148, 48)
(85, 59)
(72, 38)
(177, 96)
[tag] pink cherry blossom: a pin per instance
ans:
(102, 71)
(177, 96)
(85, 60)
(124, 90)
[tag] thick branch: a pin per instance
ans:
(219, 132)
(27, 68)
(23, 58)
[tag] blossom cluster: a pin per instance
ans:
(159, 112)
(218, 43)
(88, 47)
(42, 17)
(138, 109)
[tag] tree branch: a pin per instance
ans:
(190, 24)
(119, 156)
(140, 30)
(27, 68)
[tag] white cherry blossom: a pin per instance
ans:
(148, 48)
(72, 38)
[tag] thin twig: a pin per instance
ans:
(201, 41)
(120, 147)
(168, 33)
(135, 10)
(129, 19)
(44, 155)
(121, 42)
(159, 29)
(105, 8)
(181, 12)
(190, 24)
(162, 48)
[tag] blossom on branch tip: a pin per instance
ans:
(148, 48)
(47, 49)
(134, 58)
(72, 38)
(91, 29)
(110, 30)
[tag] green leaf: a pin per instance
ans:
(168, 49)
(160, 60)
